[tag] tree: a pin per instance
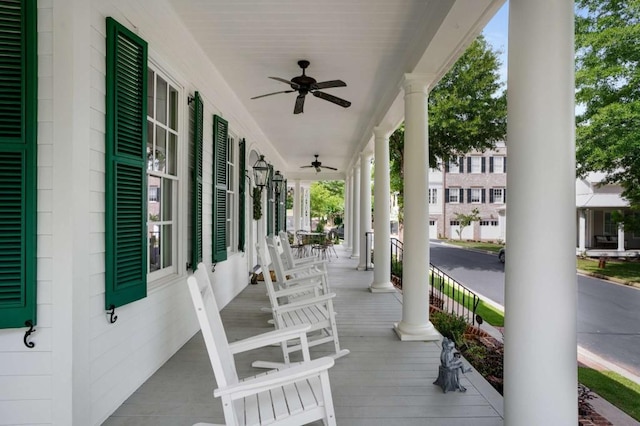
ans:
(327, 200)
(466, 220)
(608, 92)
(467, 111)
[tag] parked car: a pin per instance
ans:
(338, 230)
(501, 254)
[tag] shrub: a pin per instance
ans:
(449, 325)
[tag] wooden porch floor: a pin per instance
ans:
(381, 382)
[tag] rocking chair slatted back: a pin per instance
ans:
(213, 332)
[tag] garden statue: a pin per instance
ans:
(450, 368)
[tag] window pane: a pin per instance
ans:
(173, 108)
(161, 150)
(154, 248)
(172, 161)
(476, 164)
(167, 246)
(167, 200)
(153, 207)
(149, 145)
(161, 101)
(150, 103)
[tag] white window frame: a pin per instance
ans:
(476, 196)
(231, 227)
(454, 167)
(476, 164)
(433, 195)
(498, 160)
(497, 200)
(177, 179)
(454, 196)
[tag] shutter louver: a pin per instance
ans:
(126, 177)
(18, 162)
(196, 208)
(220, 134)
(242, 195)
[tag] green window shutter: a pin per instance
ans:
(126, 176)
(220, 133)
(18, 164)
(241, 191)
(270, 202)
(196, 219)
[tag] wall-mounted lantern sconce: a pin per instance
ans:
(261, 172)
(278, 182)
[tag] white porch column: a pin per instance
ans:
(306, 208)
(355, 229)
(365, 208)
(415, 324)
(296, 206)
(541, 347)
(349, 230)
(582, 230)
(347, 211)
(621, 237)
(382, 199)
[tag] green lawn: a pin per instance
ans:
(488, 313)
(618, 390)
(628, 271)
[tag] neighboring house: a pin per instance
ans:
(597, 233)
(477, 180)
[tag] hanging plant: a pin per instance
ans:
(257, 203)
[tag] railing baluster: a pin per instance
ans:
(445, 292)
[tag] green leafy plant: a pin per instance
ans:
(257, 203)
(449, 325)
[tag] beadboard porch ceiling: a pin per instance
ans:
(369, 44)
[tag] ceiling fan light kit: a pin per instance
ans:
(303, 84)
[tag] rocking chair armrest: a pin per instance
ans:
(276, 379)
(304, 302)
(309, 276)
(268, 338)
(301, 269)
(298, 288)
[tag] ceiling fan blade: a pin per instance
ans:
(336, 100)
(305, 167)
(328, 84)
(328, 167)
(290, 83)
(299, 104)
(274, 93)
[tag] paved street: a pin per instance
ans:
(608, 314)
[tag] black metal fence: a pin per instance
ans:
(445, 293)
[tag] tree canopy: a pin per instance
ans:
(467, 111)
(327, 200)
(608, 92)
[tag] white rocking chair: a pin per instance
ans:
(290, 261)
(296, 395)
(286, 277)
(314, 310)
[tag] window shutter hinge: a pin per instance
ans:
(27, 333)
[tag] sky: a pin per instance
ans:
(496, 33)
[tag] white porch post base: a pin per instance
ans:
(416, 332)
(382, 288)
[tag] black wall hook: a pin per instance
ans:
(112, 314)
(27, 333)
